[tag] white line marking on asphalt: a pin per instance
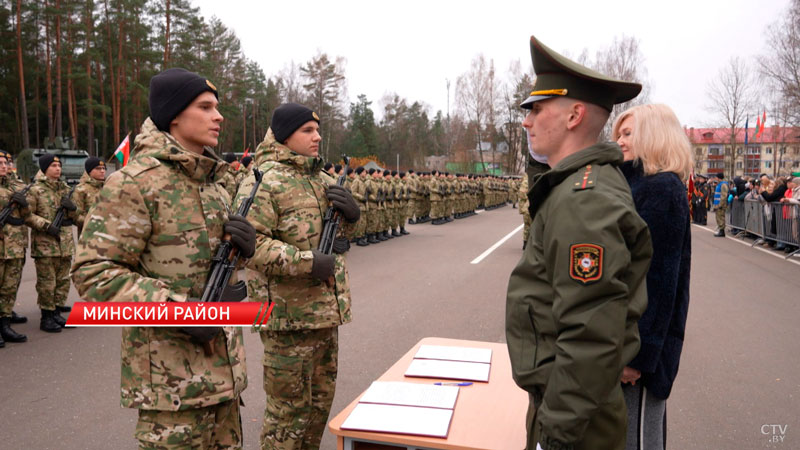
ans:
(750, 245)
(497, 244)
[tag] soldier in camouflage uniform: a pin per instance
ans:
(310, 289)
(359, 191)
(523, 209)
(228, 180)
(373, 206)
(88, 189)
(245, 169)
(13, 243)
(151, 238)
(52, 248)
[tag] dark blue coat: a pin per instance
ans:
(661, 201)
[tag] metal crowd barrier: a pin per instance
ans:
(778, 222)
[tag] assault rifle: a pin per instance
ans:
(5, 214)
(224, 263)
(333, 218)
(61, 213)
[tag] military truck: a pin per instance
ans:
(72, 160)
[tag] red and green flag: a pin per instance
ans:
(763, 123)
(123, 152)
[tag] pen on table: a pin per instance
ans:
(453, 384)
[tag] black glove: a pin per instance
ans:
(19, 198)
(67, 204)
(200, 335)
(323, 266)
(53, 230)
(343, 200)
(243, 235)
(340, 245)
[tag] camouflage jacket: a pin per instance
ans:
(13, 238)
(287, 214)
(151, 238)
(359, 190)
(228, 180)
(85, 196)
(524, 204)
(44, 199)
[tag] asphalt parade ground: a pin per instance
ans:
(738, 386)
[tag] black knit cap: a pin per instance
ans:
(720, 175)
(359, 169)
(288, 117)
(47, 159)
(92, 162)
(171, 91)
(230, 157)
(246, 160)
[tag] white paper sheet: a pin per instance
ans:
(411, 394)
(399, 419)
(456, 370)
(469, 354)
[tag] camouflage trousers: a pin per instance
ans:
(10, 276)
(52, 281)
(437, 209)
(299, 379)
(720, 215)
(212, 427)
(361, 227)
(526, 220)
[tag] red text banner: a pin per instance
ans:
(133, 314)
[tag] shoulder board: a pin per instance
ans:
(140, 165)
(586, 180)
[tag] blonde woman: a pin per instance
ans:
(657, 161)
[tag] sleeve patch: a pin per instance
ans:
(586, 262)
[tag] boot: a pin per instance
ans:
(372, 239)
(387, 235)
(18, 318)
(395, 233)
(438, 221)
(47, 323)
(382, 236)
(524, 244)
(362, 242)
(64, 308)
(403, 231)
(448, 219)
(8, 334)
(411, 221)
(62, 322)
(720, 233)
(2, 343)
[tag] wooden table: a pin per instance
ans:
(487, 415)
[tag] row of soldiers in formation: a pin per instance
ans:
(49, 207)
(388, 199)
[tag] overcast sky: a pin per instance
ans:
(411, 47)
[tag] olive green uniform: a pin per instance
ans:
(574, 300)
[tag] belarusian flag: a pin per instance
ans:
(246, 152)
(123, 152)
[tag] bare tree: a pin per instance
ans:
(474, 97)
(730, 96)
(624, 60)
(514, 90)
(782, 63)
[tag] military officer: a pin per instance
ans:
(52, 247)
(310, 289)
(151, 238)
(13, 244)
(575, 296)
(88, 189)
